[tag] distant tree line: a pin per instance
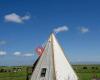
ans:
(10, 70)
(85, 68)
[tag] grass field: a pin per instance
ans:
(84, 72)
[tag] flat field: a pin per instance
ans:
(84, 72)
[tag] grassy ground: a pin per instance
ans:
(84, 72)
(87, 72)
(18, 75)
(87, 76)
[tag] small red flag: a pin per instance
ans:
(39, 50)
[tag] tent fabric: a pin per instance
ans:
(52, 64)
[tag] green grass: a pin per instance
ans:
(19, 75)
(86, 76)
(88, 73)
(84, 72)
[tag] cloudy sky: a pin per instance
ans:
(26, 24)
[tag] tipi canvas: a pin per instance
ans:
(52, 64)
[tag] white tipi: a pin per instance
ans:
(52, 64)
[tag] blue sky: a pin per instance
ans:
(26, 24)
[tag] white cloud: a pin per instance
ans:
(28, 54)
(20, 54)
(84, 30)
(2, 42)
(2, 53)
(13, 17)
(17, 53)
(26, 17)
(61, 29)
